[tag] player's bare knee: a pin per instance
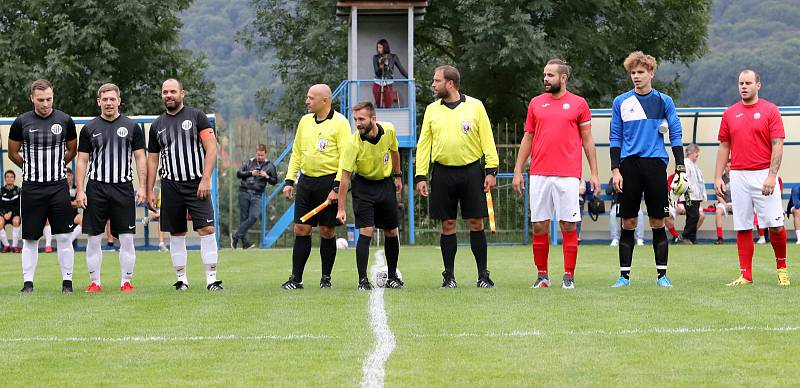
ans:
(390, 232)
(327, 231)
(475, 224)
(630, 223)
(448, 227)
(540, 227)
(775, 229)
(656, 222)
(367, 231)
(205, 231)
(567, 226)
(302, 230)
(181, 234)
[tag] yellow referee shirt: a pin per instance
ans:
(370, 158)
(317, 146)
(455, 137)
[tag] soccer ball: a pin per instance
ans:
(383, 275)
(680, 184)
(341, 243)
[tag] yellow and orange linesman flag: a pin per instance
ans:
(315, 210)
(490, 207)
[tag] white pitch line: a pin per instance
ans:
(374, 366)
(617, 333)
(291, 337)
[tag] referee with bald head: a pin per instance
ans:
(456, 135)
(314, 165)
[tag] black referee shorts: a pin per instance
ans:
(14, 213)
(374, 203)
(452, 186)
(311, 192)
(109, 201)
(178, 198)
(646, 176)
(46, 201)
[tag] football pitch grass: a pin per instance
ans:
(254, 334)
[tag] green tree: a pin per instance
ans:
(499, 46)
(80, 44)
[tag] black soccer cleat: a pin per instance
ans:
(291, 284)
(216, 286)
(484, 281)
(66, 287)
(247, 245)
(181, 286)
(27, 288)
(325, 282)
(363, 285)
(449, 280)
(234, 242)
(394, 283)
(719, 241)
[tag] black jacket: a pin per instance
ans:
(389, 62)
(256, 183)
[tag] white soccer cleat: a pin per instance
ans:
(639, 242)
(614, 243)
(761, 240)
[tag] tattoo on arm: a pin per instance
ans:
(777, 156)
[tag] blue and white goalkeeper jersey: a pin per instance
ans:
(634, 125)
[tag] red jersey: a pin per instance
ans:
(554, 123)
(750, 130)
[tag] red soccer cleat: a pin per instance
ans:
(48, 249)
(17, 249)
(126, 287)
(94, 287)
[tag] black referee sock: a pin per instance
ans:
(327, 251)
(449, 245)
(362, 255)
(661, 250)
(477, 240)
(626, 244)
(391, 246)
(300, 253)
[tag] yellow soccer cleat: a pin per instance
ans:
(741, 281)
(783, 277)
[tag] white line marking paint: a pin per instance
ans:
(291, 337)
(374, 366)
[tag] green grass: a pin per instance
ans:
(699, 332)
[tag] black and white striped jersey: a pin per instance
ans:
(176, 138)
(110, 145)
(9, 198)
(44, 142)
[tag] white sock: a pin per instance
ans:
(177, 250)
(66, 255)
(94, 257)
(797, 233)
(15, 232)
(208, 253)
(30, 256)
(127, 257)
(3, 237)
(48, 236)
(76, 232)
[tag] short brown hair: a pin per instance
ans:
(261, 147)
(638, 58)
(109, 87)
(10, 172)
(451, 74)
(368, 105)
(40, 84)
(758, 76)
(563, 67)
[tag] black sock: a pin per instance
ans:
(449, 245)
(626, 244)
(300, 253)
(362, 255)
(327, 252)
(477, 240)
(661, 250)
(391, 246)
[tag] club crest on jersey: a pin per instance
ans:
(565, 106)
(385, 159)
(56, 129)
(757, 115)
(186, 125)
(122, 131)
(323, 145)
(466, 126)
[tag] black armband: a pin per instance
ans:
(491, 171)
(336, 187)
(615, 157)
(397, 175)
(289, 182)
(420, 178)
(677, 152)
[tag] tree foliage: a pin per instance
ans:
(80, 44)
(499, 46)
